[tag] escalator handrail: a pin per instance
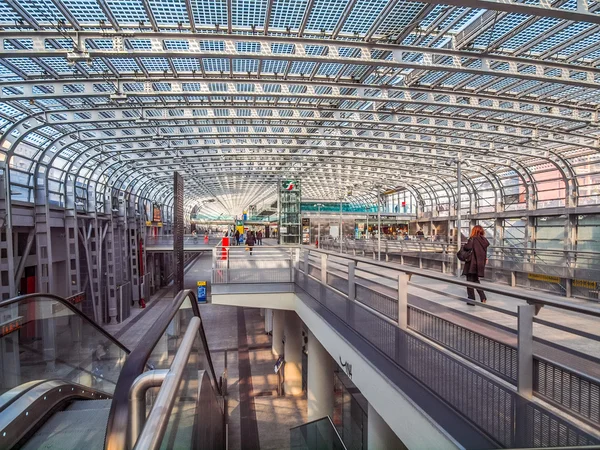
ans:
(118, 419)
(72, 308)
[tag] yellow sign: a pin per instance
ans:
(148, 223)
(585, 284)
(159, 224)
(540, 277)
(201, 283)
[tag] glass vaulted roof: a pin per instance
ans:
(101, 97)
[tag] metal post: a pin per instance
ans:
(323, 268)
(403, 300)
(378, 227)
(319, 229)
(458, 211)
(525, 350)
(367, 230)
(351, 282)
(341, 225)
(306, 259)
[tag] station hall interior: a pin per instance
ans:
(299, 224)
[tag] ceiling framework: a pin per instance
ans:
(350, 95)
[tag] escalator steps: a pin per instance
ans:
(78, 427)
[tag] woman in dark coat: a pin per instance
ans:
(475, 268)
(250, 241)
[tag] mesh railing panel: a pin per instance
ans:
(384, 304)
(567, 389)
(341, 284)
(495, 356)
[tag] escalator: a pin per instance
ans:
(65, 383)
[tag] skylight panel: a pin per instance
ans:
(503, 26)
(124, 64)
(533, 31)
(402, 15)
(210, 12)
(270, 66)
(363, 15)
(85, 11)
(212, 46)
(171, 44)
(26, 65)
(59, 65)
(563, 36)
(7, 15)
(249, 12)
(326, 14)
(130, 11)
(169, 12)
(186, 64)
(287, 13)
(155, 64)
(329, 69)
(216, 64)
(248, 47)
(245, 65)
(302, 67)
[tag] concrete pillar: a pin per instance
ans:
(293, 354)
(320, 380)
(278, 321)
(268, 320)
(379, 435)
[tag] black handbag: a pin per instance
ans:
(464, 255)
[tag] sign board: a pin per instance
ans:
(11, 326)
(547, 278)
(76, 299)
(585, 284)
(283, 230)
(148, 223)
(201, 291)
(289, 185)
(278, 364)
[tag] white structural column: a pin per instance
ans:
(379, 435)
(320, 380)
(278, 321)
(268, 320)
(293, 354)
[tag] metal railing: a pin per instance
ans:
(189, 241)
(385, 315)
(264, 264)
(563, 272)
(386, 296)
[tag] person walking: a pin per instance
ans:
(237, 237)
(250, 241)
(474, 269)
(259, 236)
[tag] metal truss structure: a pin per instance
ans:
(101, 101)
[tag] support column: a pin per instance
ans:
(320, 380)
(293, 354)
(178, 230)
(379, 435)
(268, 320)
(278, 321)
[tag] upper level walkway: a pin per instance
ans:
(571, 273)
(522, 370)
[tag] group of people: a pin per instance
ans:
(254, 237)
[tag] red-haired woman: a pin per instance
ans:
(475, 268)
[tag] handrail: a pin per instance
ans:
(64, 302)
(503, 290)
(156, 425)
(116, 431)
(328, 418)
